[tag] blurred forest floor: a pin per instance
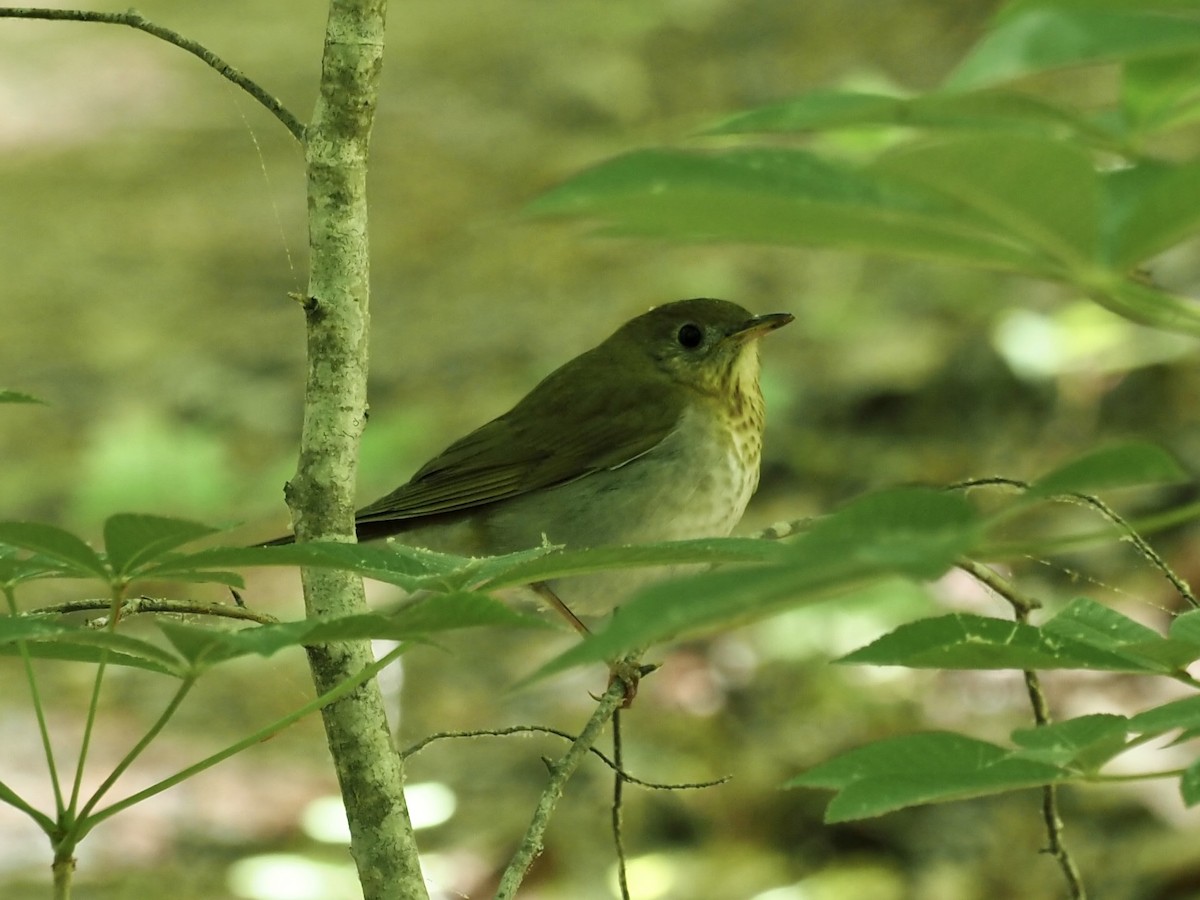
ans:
(154, 226)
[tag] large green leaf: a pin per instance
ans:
(1084, 743)
(410, 568)
(76, 557)
(1043, 194)
(1151, 208)
(921, 768)
(1100, 626)
(914, 532)
(965, 641)
(507, 571)
(53, 638)
(1125, 465)
(1041, 36)
(989, 110)
(132, 541)
(1183, 714)
(204, 646)
(771, 195)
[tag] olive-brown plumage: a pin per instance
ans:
(654, 434)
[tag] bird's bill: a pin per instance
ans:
(760, 325)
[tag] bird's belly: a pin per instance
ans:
(682, 489)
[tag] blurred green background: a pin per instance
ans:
(153, 226)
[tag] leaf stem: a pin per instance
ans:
(336, 693)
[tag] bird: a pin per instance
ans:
(654, 434)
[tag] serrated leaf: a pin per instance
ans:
(770, 195)
(965, 641)
(1085, 743)
(16, 568)
(410, 568)
(500, 572)
(1100, 626)
(1184, 713)
(54, 639)
(915, 769)
(57, 544)
(131, 541)
(1186, 628)
(991, 110)
(204, 646)
(914, 532)
(1042, 194)
(1126, 465)
(1046, 37)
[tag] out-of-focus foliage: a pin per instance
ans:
(157, 223)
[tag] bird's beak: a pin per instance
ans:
(755, 328)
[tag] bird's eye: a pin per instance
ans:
(690, 336)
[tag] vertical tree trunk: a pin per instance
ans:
(322, 493)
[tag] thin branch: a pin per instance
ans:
(1023, 605)
(618, 807)
(134, 19)
(156, 605)
(565, 735)
(560, 773)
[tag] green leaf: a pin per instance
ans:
(1151, 208)
(506, 571)
(18, 397)
(1189, 784)
(1085, 743)
(1099, 626)
(16, 567)
(1051, 36)
(54, 639)
(991, 110)
(132, 541)
(204, 646)
(914, 532)
(1040, 194)
(1186, 627)
(54, 543)
(1184, 714)
(915, 769)
(410, 568)
(1160, 92)
(770, 195)
(965, 641)
(1126, 465)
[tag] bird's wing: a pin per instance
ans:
(551, 437)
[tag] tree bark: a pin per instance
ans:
(321, 495)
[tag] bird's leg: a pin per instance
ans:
(546, 592)
(624, 671)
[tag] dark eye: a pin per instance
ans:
(690, 336)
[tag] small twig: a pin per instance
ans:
(156, 605)
(617, 808)
(561, 772)
(134, 19)
(1023, 605)
(565, 735)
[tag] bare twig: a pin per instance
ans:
(560, 773)
(617, 808)
(565, 735)
(157, 605)
(134, 19)
(1023, 605)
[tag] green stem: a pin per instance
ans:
(118, 591)
(38, 709)
(13, 799)
(336, 693)
(141, 745)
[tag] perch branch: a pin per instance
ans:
(155, 605)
